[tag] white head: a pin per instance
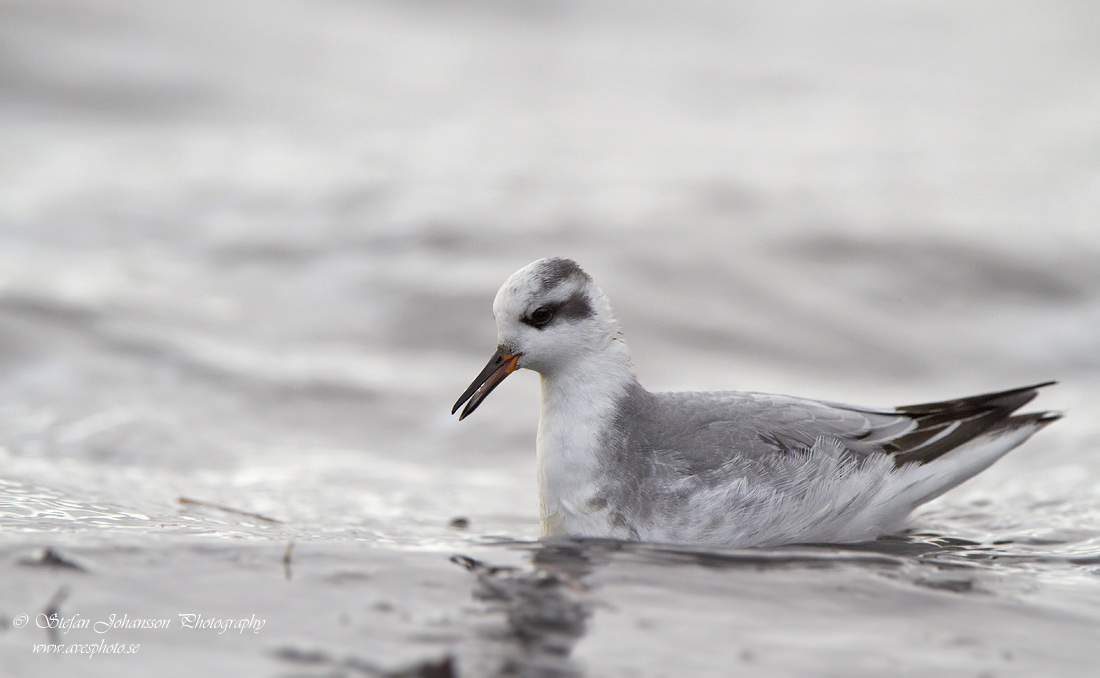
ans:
(550, 316)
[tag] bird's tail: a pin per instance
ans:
(919, 483)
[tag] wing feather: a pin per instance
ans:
(756, 426)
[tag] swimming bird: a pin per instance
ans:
(726, 468)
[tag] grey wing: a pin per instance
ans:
(701, 432)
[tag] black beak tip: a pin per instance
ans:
(494, 373)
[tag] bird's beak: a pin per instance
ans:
(500, 366)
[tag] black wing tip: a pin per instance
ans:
(943, 426)
(1043, 418)
(1032, 420)
(1013, 399)
(1036, 387)
(1032, 390)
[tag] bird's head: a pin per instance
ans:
(550, 315)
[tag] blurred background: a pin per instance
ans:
(230, 228)
(248, 250)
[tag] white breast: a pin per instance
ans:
(577, 411)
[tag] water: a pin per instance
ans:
(247, 256)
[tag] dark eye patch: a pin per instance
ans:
(576, 307)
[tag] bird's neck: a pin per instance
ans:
(578, 409)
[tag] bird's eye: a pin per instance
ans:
(541, 315)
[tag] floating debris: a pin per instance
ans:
(950, 585)
(286, 559)
(52, 559)
(227, 509)
(431, 668)
(443, 667)
(53, 610)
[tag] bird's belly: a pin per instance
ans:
(573, 473)
(558, 521)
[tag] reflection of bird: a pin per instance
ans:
(732, 468)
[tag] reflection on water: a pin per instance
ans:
(545, 609)
(578, 557)
(545, 613)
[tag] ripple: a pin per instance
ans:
(30, 508)
(585, 554)
(37, 509)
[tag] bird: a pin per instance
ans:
(723, 468)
